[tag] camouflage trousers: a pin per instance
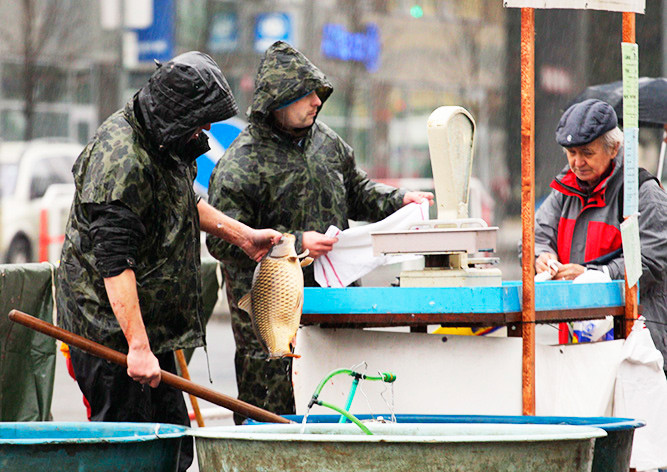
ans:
(260, 382)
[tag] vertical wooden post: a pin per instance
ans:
(182, 363)
(631, 308)
(528, 206)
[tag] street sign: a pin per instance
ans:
(220, 137)
(364, 47)
(156, 42)
(272, 27)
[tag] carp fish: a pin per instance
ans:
(276, 297)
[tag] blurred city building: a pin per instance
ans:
(65, 65)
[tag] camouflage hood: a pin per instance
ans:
(187, 92)
(284, 76)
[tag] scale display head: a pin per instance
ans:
(451, 139)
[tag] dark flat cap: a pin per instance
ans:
(584, 122)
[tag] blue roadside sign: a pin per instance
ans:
(220, 137)
(157, 41)
(364, 46)
(272, 27)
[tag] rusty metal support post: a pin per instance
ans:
(628, 27)
(528, 206)
(631, 308)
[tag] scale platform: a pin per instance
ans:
(446, 245)
(435, 241)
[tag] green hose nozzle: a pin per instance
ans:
(387, 377)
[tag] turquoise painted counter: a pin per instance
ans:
(386, 306)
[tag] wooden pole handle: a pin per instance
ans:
(96, 349)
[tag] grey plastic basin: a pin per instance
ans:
(396, 447)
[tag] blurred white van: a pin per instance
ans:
(36, 190)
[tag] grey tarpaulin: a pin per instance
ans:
(27, 358)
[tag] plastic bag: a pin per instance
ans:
(641, 393)
(592, 330)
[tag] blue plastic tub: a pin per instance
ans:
(93, 446)
(611, 454)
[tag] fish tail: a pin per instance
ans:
(245, 303)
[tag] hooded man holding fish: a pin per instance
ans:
(287, 171)
(129, 276)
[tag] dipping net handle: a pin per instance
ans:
(91, 347)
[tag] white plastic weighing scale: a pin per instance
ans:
(455, 247)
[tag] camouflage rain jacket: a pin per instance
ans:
(132, 162)
(269, 179)
(266, 179)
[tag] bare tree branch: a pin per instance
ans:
(46, 25)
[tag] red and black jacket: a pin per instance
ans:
(577, 225)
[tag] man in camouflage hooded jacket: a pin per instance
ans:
(129, 276)
(295, 174)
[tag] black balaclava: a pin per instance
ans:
(183, 94)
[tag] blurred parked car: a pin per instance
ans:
(36, 187)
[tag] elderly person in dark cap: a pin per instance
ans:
(578, 225)
(129, 276)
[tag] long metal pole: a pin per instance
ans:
(631, 308)
(528, 207)
(91, 347)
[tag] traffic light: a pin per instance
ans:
(416, 11)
